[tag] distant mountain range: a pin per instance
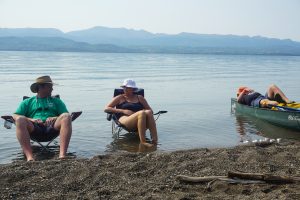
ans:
(119, 40)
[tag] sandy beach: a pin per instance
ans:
(153, 175)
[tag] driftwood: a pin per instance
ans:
(269, 178)
(238, 177)
(212, 179)
(200, 179)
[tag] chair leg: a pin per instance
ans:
(112, 128)
(45, 147)
(119, 131)
(116, 130)
(50, 142)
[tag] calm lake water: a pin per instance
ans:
(194, 89)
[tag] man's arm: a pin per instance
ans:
(240, 97)
(16, 116)
(61, 107)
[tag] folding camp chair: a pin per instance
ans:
(9, 120)
(117, 127)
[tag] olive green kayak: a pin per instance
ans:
(288, 119)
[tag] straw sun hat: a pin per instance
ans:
(38, 81)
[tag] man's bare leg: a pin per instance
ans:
(23, 127)
(64, 124)
(264, 103)
(273, 90)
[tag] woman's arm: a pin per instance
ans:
(144, 103)
(111, 106)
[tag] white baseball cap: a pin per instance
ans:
(129, 83)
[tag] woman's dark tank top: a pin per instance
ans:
(134, 107)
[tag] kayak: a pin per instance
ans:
(288, 119)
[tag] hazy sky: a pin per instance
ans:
(270, 18)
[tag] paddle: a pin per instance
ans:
(283, 108)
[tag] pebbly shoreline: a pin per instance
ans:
(153, 175)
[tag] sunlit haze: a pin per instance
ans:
(269, 18)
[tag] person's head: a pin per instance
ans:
(129, 86)
(43, 86)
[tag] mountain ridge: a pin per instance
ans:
(97, 39)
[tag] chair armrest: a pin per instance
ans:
(8, 121)
(75, 115)
(8, 118)
(109, 116)
(112, 116)
(160, 112)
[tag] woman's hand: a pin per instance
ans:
(127, 112)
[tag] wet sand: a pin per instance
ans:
(153, 175)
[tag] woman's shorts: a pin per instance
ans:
(43, 133)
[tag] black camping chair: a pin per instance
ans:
(9, 120)
(117, 127)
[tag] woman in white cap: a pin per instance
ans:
(134, 112)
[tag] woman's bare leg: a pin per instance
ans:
(137, 121)
(152, 126)
(273, 90)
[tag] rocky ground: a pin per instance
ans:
(153, 175)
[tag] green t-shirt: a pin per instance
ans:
(41, 108)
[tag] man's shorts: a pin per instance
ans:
(256, 102)
(43, 133)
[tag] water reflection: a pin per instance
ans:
(171, 82)
(252, 129)
(129, 142)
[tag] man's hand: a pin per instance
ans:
(38, 121)
(50, 121)
(248, 90)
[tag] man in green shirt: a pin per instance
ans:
(42, 117)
